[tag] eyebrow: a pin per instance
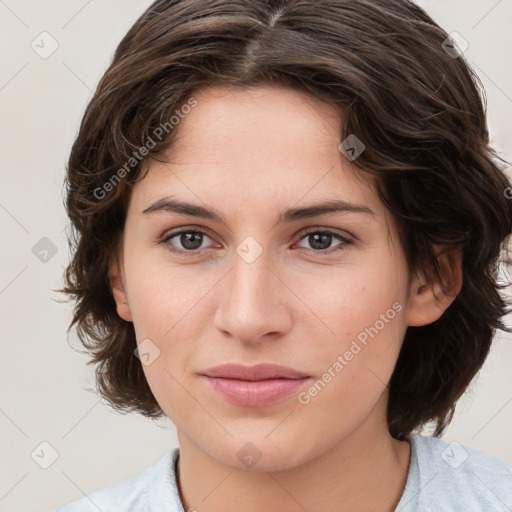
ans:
(169, 204)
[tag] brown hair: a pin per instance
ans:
(416, 106)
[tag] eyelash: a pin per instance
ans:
(345, 241)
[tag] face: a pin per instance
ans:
(327, 295)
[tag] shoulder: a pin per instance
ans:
(452, 476)
(151, 489)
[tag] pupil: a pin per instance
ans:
(187, 240)
(323, 236)
(192, 241)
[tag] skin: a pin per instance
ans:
(250, 154)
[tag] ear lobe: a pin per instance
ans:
(118, 291)
(428, 303)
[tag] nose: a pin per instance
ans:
(255, 301)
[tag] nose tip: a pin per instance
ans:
(252, 303)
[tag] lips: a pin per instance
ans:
(261, 371)
(254, 386)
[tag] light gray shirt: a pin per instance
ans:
(443, 477)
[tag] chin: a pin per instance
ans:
(259, 455)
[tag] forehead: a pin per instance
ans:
(270, 106)
(256, 148)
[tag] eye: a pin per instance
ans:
(322, 239)
(190, 240)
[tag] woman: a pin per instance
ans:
(288, 225)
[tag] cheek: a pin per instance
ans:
(166, 310)
(356, 367)
(165, 297)
(349, 299)
(363, 315)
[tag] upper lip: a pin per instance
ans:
(261, 371)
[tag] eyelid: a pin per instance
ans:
(334, 231)
(301, 232)
(176, 231)
(344, 238)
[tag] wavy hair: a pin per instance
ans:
(417, 106)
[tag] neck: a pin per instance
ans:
(366, 471)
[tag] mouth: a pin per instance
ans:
(254, 386)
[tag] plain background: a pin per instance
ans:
(47, 390)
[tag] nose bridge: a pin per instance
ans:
(250, 305)
(253, 258)
(251, 280)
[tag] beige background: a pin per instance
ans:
(47, 390)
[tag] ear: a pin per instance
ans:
(427, 303)
(116, 279)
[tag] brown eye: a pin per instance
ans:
(190, 240)
(321, 240)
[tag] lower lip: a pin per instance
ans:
(255, 393)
